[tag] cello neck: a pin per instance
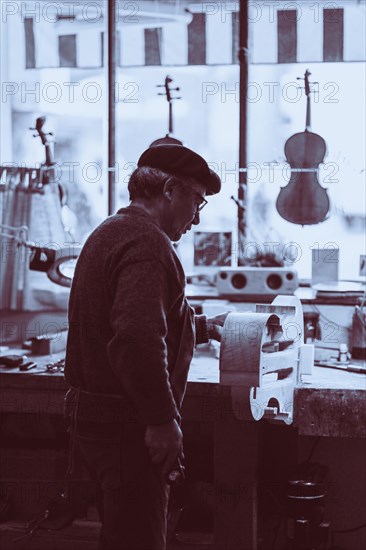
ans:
(169, 98)
(308, 121)
(307, 93)
(170, 117)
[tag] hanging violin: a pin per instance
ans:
(168, 138)
(47, 172)
(49, 210)
(303, 200)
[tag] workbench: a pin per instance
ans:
(330, 404)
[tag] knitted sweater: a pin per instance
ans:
(131, 330)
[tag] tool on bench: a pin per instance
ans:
(27, 366)
(17, 361)
(359, 369)
(47, 344)
(263, 357)
(12, 361)
(56, 366)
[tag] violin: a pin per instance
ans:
(168, 138)
(48, 145)
(46, 259)
(47, 173)
(303, 200)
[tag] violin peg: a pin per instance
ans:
(238, 203)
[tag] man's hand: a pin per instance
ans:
(215, 324)
(165, 443)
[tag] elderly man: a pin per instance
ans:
(131, 339)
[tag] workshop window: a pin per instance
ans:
(42, 75)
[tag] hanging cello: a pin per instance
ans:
(168, 138)
(303, 200)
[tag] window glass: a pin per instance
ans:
(54, 72)
(277, 109)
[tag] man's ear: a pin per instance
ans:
(168, 189)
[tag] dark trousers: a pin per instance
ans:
(133, 493)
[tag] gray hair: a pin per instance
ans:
(148, 183)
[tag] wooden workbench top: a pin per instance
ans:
(205, 368)
(330, 402)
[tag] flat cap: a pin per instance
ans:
(181, 161)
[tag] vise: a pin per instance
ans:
(263, 357)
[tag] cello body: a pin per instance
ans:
(303, 200)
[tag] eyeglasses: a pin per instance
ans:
(202, 204)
